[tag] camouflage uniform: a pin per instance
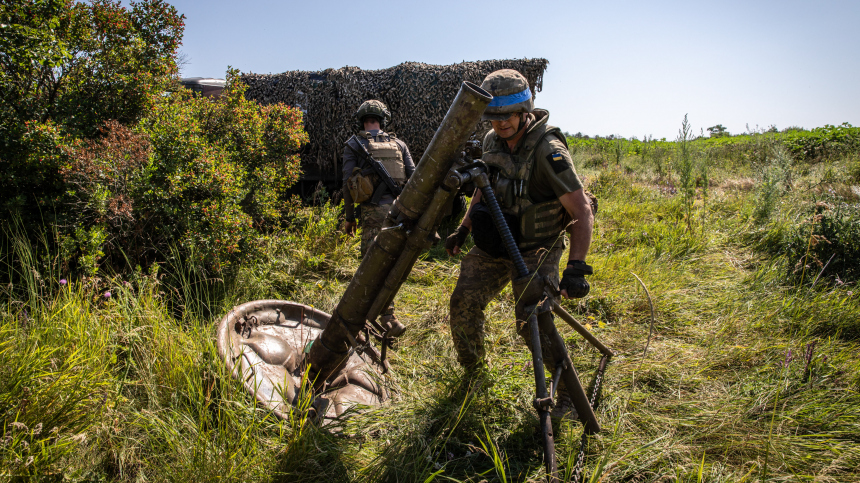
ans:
(483, 277)
(372, 215)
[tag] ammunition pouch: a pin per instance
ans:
(360, 186)
(541, 222)
(485, 234)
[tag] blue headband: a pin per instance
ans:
(500, 101)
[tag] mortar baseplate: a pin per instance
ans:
(263, 344)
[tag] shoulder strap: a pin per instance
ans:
(362, 155)
(550, 130)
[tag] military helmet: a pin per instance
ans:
(510, 92)
(373, 108)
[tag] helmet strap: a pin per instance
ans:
(523, 123)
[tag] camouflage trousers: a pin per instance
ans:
(372, 217)
(481, 279)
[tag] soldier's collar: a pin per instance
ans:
(539, 117)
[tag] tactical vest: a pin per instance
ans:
(384, 149)
(539, 223)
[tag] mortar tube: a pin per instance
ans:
(330, 350)
(444, 148)
(347, 320)
(416, 242)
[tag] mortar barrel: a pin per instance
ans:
(330, 350)
(417, 241)
(444, 148)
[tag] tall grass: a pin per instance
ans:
(751, 374)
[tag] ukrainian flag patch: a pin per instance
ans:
(557, 162)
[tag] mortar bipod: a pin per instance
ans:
(534, 294)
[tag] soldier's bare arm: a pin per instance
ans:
(578, 206)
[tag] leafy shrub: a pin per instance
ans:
(831, 234)
(97, 146)
(822, 142)
(68, 67)
(203, 175)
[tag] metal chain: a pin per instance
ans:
(580, 457)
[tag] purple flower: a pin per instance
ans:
(107, 295)
(63, 281)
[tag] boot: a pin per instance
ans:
(563, 408)
(389, 322)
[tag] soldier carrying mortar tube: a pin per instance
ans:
(365, 185)
(541, 198)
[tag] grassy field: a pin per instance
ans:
(751, 373)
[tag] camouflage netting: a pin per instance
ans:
(418, 96)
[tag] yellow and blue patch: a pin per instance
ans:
(557, 162)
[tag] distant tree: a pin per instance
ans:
(718, 131)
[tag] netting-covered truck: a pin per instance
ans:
(417, 94)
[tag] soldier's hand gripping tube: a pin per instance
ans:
(329, 352)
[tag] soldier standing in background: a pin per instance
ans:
(541, 197)
(361, 184)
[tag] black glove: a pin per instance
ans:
(573, 279)
(456, 239)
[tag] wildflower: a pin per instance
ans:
(107, 295)
(63, 281)
(19, 426)
(37, 430)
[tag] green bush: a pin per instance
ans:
(203, 175)
(822, 142)
(100, 143)
(831, 237)
(67, 68)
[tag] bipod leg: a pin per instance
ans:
(565, 316)
(569, 376)
(583, 443)
(543, 402)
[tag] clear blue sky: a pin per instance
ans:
(616, 67)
